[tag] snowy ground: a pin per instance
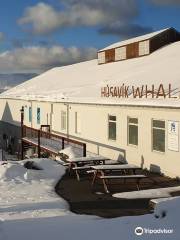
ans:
(30, 209)
(150, 193)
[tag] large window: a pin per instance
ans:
(120, 53)
(77, 123)
(133, 131)
(112, 127)
(30, 114)
(144, 48)
(38, 115)
(63, 120)
(101, 57)
(158, 138)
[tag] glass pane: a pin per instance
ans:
(133, 134)
(30, 114)
(38, 115)
(133, 120)
(112, 118)
(159, 140)
(63, 120)
(158, 124)
(112, 130)
(75, 122)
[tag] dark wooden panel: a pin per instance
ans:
(167, 37)
(110, 55)
(132, 50)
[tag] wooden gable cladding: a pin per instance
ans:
(140, 47)
(132, 50)
(110, 55)
(167, 37)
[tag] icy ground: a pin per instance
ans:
(30, 210)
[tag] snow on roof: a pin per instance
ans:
(82, 82)
(133, 40)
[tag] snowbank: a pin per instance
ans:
(30, 193)
(72, 152)
(150, 193)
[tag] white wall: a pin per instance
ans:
(10, 110)
(94, 128)
(45, 113)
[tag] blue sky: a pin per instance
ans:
(37, 35)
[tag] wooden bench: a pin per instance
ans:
(124, 177)
(66, 164)
(84, 163)
(86, 167)
(78, 170)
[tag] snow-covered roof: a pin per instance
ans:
(82, 82)
(133, 40)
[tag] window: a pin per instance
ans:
(38, 115)
(112, 127)
(120, 53)
(158, 138)
(77, 123)
(101, 57)
(133, 131)
(30, 114)
(144, 48)
(63, 120)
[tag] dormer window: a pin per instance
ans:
(138, 46)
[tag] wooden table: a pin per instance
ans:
(80, 163)
(100, 170)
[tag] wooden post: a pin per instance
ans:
(62, 142)
(39, 142)
(22, 122)
(22, 132)
(22, 149)
(84, 150)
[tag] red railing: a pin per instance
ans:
(38, 134)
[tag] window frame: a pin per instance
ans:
(77, 124)
(132, 124)
(63, 128)
(112, 121)
(152, 128)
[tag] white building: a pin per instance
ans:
(128, 109)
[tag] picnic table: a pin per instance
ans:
(101, 170)
(84, 163)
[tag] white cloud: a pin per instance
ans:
(43, 18)
(38, 59)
